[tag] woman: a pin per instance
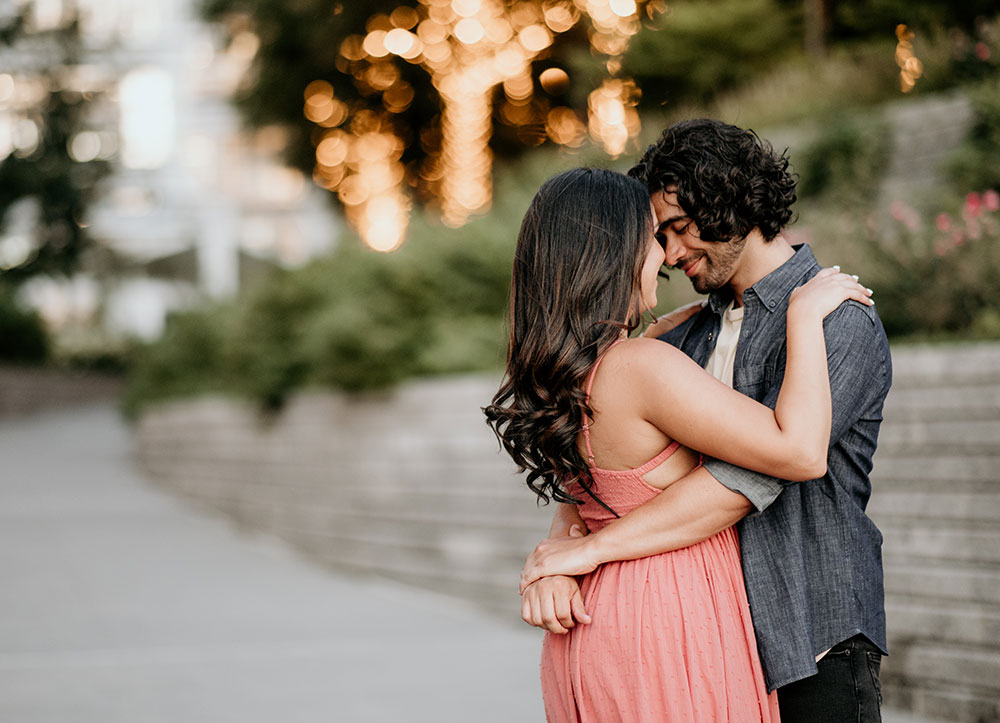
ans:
(607, 422)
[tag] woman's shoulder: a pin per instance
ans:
(644, 346)
(644, 356)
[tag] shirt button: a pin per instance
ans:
(710, 336)
(772, 303)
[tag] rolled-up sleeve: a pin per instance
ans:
(759, 489)
(857, 359)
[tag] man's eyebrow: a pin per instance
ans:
(670, 221)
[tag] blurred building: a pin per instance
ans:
(195, 204)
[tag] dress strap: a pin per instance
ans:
(658, 459)
(590, 385)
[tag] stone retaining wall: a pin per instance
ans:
(25, 390)
(410, 484)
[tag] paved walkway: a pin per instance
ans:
(119, 604)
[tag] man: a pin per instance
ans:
(811, 557)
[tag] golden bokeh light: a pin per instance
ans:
(564, 127)
(555, 81)
(519, 88)
(353, 47)
(398, 98)
(379, 21)
(318, 89)
(404, 17)
(401, 42)
(466, 8)
(910, 67)
(432, 32)
(332, 150)
(318, 109)
(499, 31)
(560, 16)
(468, 48)
(337, 115)
(381, 76)
(523, 14)
(374, 44)
(469, 31)
(440, 12)
(535, 38)
(623, 8)
(613, 119)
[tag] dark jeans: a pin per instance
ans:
(846, 688)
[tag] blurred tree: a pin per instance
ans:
(822, 22)
(702, 47)
(814, 19)
(41, 184)
(300, 42)
(22, 333)
(867, 18)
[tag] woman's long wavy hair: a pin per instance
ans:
(575, 286)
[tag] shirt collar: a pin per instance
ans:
(773, 288)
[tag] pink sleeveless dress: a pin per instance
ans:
(671, 639)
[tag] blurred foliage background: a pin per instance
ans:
(42, 186)
(360, 320)
(812, 75)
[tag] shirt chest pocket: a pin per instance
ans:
(754, 380)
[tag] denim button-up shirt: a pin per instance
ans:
(812, 559)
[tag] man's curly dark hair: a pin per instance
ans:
(728, 180)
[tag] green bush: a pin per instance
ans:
(373, 322)
(354, 320)
(188, 359)
(976, 164)
(23, 338)
(846, 160)
(263, 346)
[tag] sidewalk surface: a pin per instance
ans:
(120, 604)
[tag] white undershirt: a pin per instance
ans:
(720, 363)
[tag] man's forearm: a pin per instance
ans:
(690, 510)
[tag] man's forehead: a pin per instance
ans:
(666, 206)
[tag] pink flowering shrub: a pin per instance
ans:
(941, 275)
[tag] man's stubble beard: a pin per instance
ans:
(719, 266)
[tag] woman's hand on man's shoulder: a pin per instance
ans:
(673, 319)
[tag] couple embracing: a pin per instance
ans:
(710, 558)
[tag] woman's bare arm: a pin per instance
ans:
(700, 412)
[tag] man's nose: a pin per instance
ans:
(674, 250)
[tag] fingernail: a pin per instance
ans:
(854, 276)
(836, 267)
(869, 291)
